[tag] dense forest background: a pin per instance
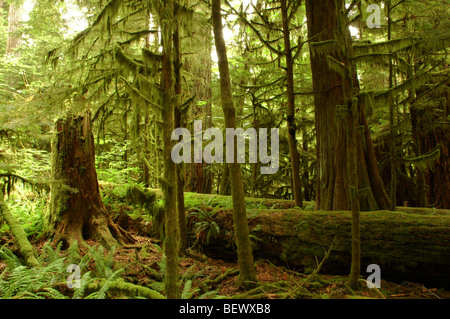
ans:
(362, 111)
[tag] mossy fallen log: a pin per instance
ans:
(407, 246)
(410, 244)
(20, 237)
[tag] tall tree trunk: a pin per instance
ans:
(76, 210)
(179, 168)
(331, 144)
(12, 41)
(421, 193)
(224, 187)
(247, 271)
(292, 127)
(391, 122)
(170, 249)
(352, 170)
(198, 175)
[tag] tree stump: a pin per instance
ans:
(77, 212)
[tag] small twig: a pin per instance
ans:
(319, 267)
(373, 287)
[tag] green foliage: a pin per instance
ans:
(29, 212)
(49, 282)
(101, 293)
(20, 281)
(205, 227)
(110, 164)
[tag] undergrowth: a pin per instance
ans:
(99, 277)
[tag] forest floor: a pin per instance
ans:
(274, 281)
(215, 277)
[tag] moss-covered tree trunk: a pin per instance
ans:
(331, 145)
(247, 271)
(177, 122)
(76, 210)
(290, 113)
(169, 182)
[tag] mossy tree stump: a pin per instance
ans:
(77, 212)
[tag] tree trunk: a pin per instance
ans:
(177, 123)
(224, 187)
(12, 41)
(352, 169)
(169, 182)
(199, 175)
(292, 127)
(76, 211)
(247, 271)
(331, 145)
(393, 198)
(421, 193)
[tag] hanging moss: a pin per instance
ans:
(151, 60)
(129, 65)
(139, 97)
(327, 47)
(385, 47)
(425, 160)
(337, 66)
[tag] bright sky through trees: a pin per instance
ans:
(72, 14)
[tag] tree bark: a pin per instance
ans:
(12, 41)
(331, 145)
(393, 160)
(352, 162)
(199, 176)
(76, 210)
(177, 123)
(169, 182)
(247, 271)
(290, 113)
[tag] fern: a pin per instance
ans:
(73, 254)
(49, 254)
(51, 293)
(187, 293)
(84, 281)
(101, 293)
(213, 294)
(103, 263)
(24, 282)
(157, 285)
(11, 260)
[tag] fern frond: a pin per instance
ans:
(213, 294)
(187, 293)
(84, 281)
(157, 285)
(51, 293)
(11, 260)
(101, 293)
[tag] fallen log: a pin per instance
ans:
(20, 237)
(408, 246)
